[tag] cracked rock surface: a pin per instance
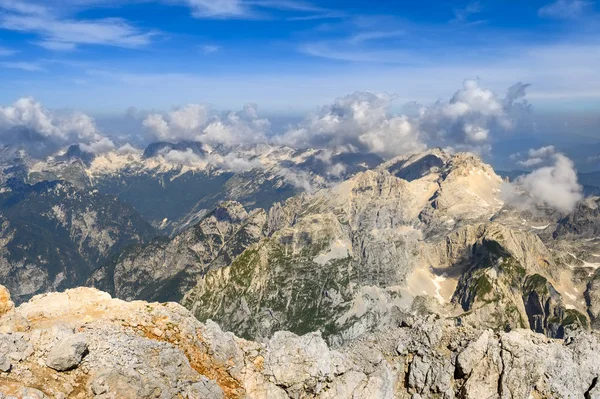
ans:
(152, 350)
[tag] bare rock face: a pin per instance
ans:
(299, 364)
(583, 222)
(6, 304)
(150, 350)
(592, 296)
(53, 235)
(341, 260)
(167, 269)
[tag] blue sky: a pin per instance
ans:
(289, 56)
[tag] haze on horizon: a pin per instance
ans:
(498, 79)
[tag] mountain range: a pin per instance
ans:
(341, 273)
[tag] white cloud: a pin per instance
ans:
(247, 9)
(360, 120)
(100, 146)
(298, 178)
(565, 9)
(218, 9)
(336, 170)
(58, 32)
(542, 152)
(187, 157)
(234, 162)
(535, 156)
(128, 149)
(554, 185)
(56, 46)
(28, 124)
(5, 52)
(22, 65)
(180, 124)
(368, 36)
(473, 114)
(231, 162)
(208, 49)
(462, 14)
(467, 122)
(530, 162)
(199, 123)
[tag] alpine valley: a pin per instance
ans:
(190, 271)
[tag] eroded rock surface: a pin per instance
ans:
(151, 350)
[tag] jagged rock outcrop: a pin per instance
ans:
(169, 191)
(344, 260)
(583, 222)
(151, 350)
(166, 269)
(592, 297)
(339, 260)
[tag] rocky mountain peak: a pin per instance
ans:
(415, 166)
(75, 153)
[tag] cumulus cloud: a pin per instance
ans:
(554, 185)
(187, 157)
(199, 123)
(359, 120)
(29, 125)
(238, 162)
(468, 120)
(298, 178)
(231, 162)
(235, 163)
(362, 120)
(128, 149)
(99, 146)
(334, 169)
(534, 156)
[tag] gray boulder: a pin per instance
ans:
(68, 353)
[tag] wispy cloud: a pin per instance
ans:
(22, 65)
(375, 35)
(565, 9)
(342, 51)
(256, 9)
(65, 33)
(5, 52)
(219, 9)
(208, 49)
(462, 15)
(361, 39)
(56, 46)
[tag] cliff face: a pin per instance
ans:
(410, 280)
(166, 269)
(346, 259)
(82, 343)
(414, 232)
(53, 235)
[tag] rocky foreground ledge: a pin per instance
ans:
(84, 344)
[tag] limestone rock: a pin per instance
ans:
(6, 304)
(299, 363)
(167, 270)
(426, 357)
(67, 353)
